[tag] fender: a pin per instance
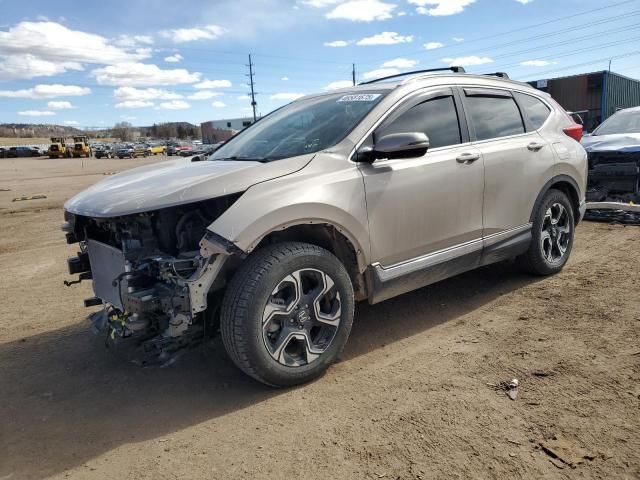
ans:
(281, 219)
(547, 186)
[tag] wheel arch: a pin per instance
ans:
(329, 236)
(565, 184)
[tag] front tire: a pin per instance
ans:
(552, 235)
(287, 313)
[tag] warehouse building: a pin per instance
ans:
(211, 135)
(596, 96)
(221, 130)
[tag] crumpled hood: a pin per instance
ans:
(628, 142)
(175, 182)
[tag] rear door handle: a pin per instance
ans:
(468, 157)
(535, 147)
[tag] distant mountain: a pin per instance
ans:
(28, 130)
(124, 130)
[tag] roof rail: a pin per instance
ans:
(497, 74)
(445, 69)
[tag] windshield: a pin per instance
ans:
(621, 122)
(305, 126)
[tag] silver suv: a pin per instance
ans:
(358, 194)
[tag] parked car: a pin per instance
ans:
(3, 152)
(103, 151)
(158, 149)
(141, 150)
(16, 152)
(171, 149)
(124, 151)
(360, 194)
(614, 158)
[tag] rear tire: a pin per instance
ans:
(287, 313)
(552, 235)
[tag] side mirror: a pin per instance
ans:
(396, 145)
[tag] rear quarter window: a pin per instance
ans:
(533, 109)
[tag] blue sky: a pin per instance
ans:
(92, 64)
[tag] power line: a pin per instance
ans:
(584, 64)
(526, 39)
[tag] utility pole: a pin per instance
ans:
(353, 73)
(253, 93)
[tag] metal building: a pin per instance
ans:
(596, 95)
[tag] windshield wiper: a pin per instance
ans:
(245, 159)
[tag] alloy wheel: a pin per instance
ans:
(301, 317)
(556, 233)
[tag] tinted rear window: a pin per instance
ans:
(494, 117)
(533, 109)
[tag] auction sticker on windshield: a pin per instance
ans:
(361, 97)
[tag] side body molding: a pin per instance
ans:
(387, 282)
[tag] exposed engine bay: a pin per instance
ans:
(153, 272)
(614, 186)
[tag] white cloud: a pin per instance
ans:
(536, 63)
(131, 41)
(36, 113)
(135, 104)
(338, 84)
(440, 7)
(524, 2)
(458, 39)
(175, 105)
(33, 49)
(47, 91)
(379, 73)
(142, 74)
(128, 117)
(132, 93)
(182, 35)
(71, 122)
(286, 96)
(175, 58)
(59, 105)
(362, 11)
(336, 43)
(433, 45)
(467, 61)
(218, 104)
(17, 67)
(385, 38)
(320, 3)
(244, 97)
(400, 63)
(284, 79)
(214, 84)
(204, 95)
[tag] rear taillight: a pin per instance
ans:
(574, 131)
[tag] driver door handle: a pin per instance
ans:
(535, 147)
(468, 157)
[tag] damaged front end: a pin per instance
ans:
(613, 189)
(155, 274)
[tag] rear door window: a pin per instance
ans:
(493, 116)
(437, 118)
(534, 110)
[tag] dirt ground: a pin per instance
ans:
(410, 398)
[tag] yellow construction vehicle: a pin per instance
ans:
(58, 148)
(81, 147)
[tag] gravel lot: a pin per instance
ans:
(409, 399)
